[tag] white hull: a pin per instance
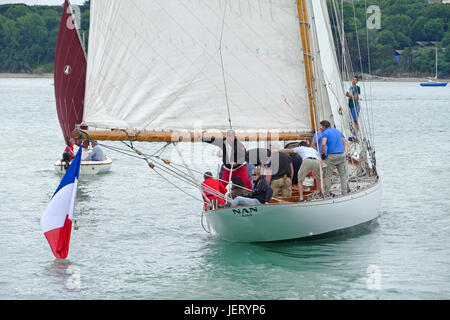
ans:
(87, 167)
(275, 222)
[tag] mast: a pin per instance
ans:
(306, 45)
(436, 75)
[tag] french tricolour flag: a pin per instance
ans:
(56, 222)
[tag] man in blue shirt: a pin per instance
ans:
(96, 153)
(334, 141)
(353, 101)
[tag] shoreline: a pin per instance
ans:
(372, 78)
(25, 75)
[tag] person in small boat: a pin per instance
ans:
(282, 171)
(233, 157)
(69, 148)
(353, 102)
(310, 163)
(334, 142)
(96, 153)
(262, 192)
(213, 189)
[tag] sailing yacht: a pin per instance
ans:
(266, 69)
(434, 82)
(69, 83)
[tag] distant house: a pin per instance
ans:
(422, 43)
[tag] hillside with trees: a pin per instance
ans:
(28, 37)
(394, 49)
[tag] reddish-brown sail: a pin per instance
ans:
(69, 74)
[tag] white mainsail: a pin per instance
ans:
(157, 65)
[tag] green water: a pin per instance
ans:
(140, 239)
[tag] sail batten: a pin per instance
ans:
(162, 69)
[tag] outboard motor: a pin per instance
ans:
(66, 159)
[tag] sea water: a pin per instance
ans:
(139, 237)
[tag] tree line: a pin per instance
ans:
(28, 36)
(393, 49)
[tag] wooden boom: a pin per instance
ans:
(163, 136)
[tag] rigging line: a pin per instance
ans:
(360, 58)
(237, 36)
(190, 173)
(129, 139)
(196, 171)
(370, 72)
(316, 54)
(145, 158)
(179, 174)
(118, 150)
(336, 35)
(160, 150)
(173, 184)
(346, 62)
(167, 170)
(365, 123)
(213, 57)
(341, 36)
(223, 69)
(192, 183)
(360, 63)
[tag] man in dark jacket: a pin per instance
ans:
(233, 154)
(262, 192)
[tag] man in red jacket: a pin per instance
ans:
(213, 189)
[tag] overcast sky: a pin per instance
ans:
(41, 2)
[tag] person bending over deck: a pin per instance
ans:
(334, 141)
(282, 171)
(262, 192)
(310, 163)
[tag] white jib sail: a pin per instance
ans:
(156, 65)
